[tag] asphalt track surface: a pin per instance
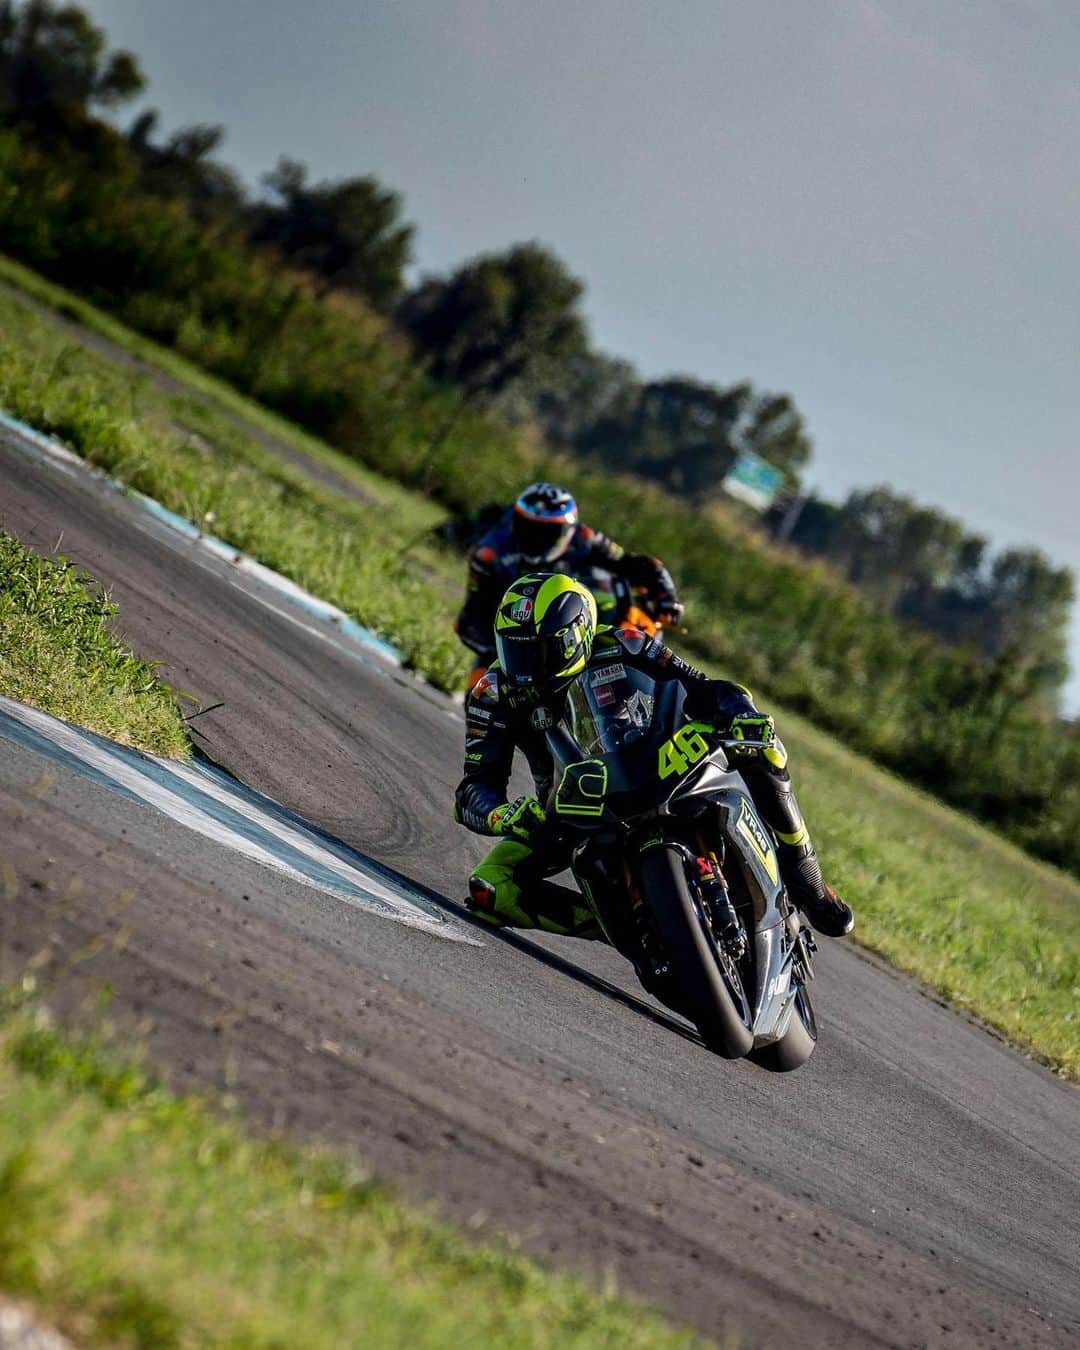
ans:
(918, 1183)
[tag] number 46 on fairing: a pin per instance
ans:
(683, 750)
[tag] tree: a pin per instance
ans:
(1029, 600)
(54, 66)
(774, 428)
(679, 432)
(686, 428)
(348, 233)
(499, 320)
(891, 545)
(183, 167)
(924, 566)
(686, 433)
(569, 397)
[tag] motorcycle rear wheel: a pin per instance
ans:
(691, 949)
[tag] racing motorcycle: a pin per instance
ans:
(619, 602)
(677, 866)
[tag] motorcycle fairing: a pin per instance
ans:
(609, 772)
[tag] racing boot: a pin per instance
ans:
(799, 867)
(770, 786)
(507, 890)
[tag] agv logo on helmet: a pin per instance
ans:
(544, 631)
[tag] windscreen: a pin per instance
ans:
(610, 707)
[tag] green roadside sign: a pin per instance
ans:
(753, 480)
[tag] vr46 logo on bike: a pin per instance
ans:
(753, 832)
(683, 750)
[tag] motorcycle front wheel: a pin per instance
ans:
(797, 1043)
(707, 977)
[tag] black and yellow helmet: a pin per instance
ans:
(544, 630)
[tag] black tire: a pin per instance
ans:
(797, 1044)
(690, 951)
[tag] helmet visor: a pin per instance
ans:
(542, 540)
(530, 660)
(543, 660)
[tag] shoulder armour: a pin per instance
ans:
(633, 640)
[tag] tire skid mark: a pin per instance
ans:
(207, 801)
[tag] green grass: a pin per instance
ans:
(139, 1218)
(214, 395)
(57, 653)
(187, 453)
(976, 918)
(952, 903)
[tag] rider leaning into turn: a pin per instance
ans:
(541, 530)
(546, 636)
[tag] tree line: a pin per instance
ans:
(926, 567)
(298, 297)
(507, 330)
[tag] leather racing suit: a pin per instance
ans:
(495, 562)
(510, 886)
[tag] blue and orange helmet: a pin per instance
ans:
(544, 520)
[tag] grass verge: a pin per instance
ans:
(57, 653)
(948, 901)
(973, 916)
(213, 393)
(137, 1217)
(371, 557)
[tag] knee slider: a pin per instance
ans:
(481, 895)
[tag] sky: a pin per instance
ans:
(873, 205)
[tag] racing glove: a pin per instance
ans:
(729, 708)
(522, 819)
(668, 609)
(753, 726)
